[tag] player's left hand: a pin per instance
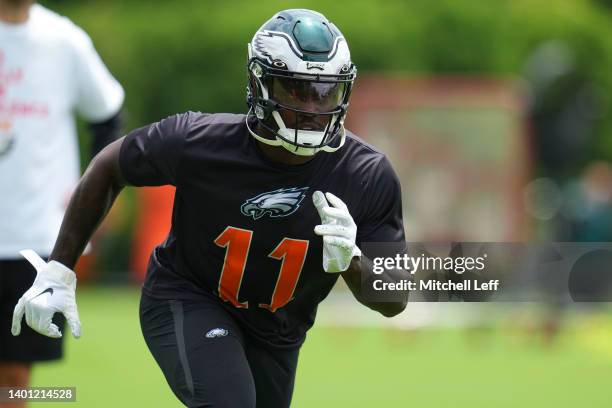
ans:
(338, 230)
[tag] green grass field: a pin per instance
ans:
(366, 367)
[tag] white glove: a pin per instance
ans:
(338, 230)
(53, 291)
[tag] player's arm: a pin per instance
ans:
(89, 204)
(341, 254)
(361, 267)
(148, 156)
(54, 289)
(380, 221)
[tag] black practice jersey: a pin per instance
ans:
(242, 226)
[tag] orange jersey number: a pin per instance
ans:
(237, 241)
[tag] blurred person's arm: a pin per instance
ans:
(105, 132)
(98, 95)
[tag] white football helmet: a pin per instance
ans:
(300, 80)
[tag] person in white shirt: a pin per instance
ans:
(49, 71)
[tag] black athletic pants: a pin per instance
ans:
(207, 359)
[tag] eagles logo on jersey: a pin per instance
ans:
(277, 203)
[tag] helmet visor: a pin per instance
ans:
(306, 104)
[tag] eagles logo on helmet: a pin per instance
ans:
(300, 80)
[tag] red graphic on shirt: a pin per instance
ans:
(10, 76)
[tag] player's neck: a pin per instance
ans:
(279, 154)
(15, 11)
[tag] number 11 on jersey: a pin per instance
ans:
(237, 241)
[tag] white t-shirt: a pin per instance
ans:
(49, 70)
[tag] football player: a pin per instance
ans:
(49, 70)
(271, 208)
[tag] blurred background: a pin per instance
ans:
(497, 117)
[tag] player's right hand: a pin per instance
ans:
(53, 291)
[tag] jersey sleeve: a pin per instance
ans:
(150, 155)
(98, 94)
(382, 220)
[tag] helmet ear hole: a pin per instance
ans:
(279, 64)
